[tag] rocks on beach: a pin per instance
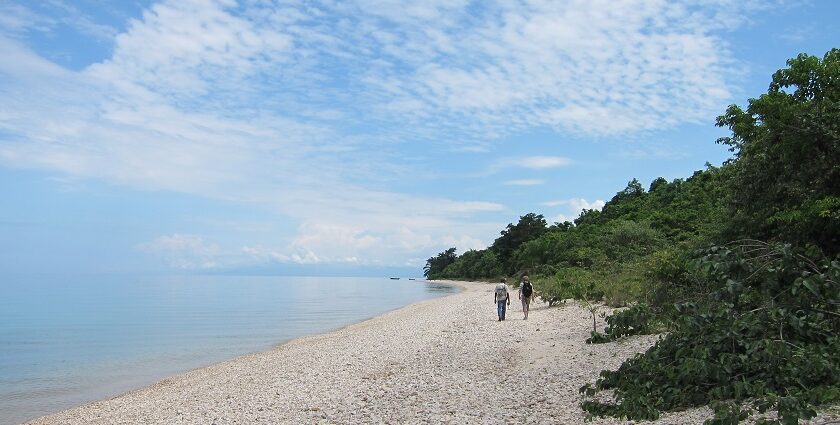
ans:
(446, 360)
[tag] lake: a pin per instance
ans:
(71, 340)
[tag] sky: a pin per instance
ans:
(354, 137)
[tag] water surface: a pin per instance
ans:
(70, 340)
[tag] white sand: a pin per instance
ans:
(446, 360)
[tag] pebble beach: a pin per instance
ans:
(445, 360)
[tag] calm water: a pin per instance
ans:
(64, 342)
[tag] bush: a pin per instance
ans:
(623, 284)
(672, 276)
(635, 320)
(768, 339)
(568, 283)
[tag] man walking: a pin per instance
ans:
(502, 298)
(526, 290)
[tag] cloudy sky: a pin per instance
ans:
(315, 136)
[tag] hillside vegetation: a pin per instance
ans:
(738, 265)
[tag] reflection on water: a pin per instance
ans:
(439, 288)
(64, 342)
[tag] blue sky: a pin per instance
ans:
(354, 137)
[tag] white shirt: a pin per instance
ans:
(501, 292)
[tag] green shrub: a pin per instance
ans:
(636, 320)
(767, 339)
(568, 283)
(672, 276)
(623, 283)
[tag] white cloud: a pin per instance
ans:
(542, 162)
(525, 182)
(592, 67)
(251, 104)
(15, 19)
(580, 204)
(183, 251)
(260, 254)
(562, 218)
(334, 240)
(305, 256)
(530, 162)
(463, 243)
(18, 19)
(574, 207)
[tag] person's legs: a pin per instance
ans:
(526, 301)
(500, 309)
(504, 309)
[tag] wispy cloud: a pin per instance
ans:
(188, 252)
(525, 182)
(530, 162)
(578, 204)
(602, 68)
(542, 162)
(574, 207)
(294, 108)
(17, 19)
(796, 35)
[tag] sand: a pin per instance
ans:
(445, 360)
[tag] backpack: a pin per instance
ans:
(501, 292)
(527, 289)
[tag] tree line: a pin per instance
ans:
(738, 264)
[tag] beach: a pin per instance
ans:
(444, 360)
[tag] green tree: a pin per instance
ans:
(767, 314)
(787, 156)
(529, 227)
(659, 182)
(437, 264)
(628, 200)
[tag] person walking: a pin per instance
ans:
(501, 297)
(526, 290)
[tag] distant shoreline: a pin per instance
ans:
(53, 379)
(437, 360)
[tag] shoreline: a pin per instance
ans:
(278, 345)
(123, 392)
(445, 359)
(136, 331)
(374, 371)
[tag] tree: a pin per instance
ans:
(787, 156)
(660, 182)
(436, 265)
(529, 227)
(627, 201)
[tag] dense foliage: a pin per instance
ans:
(529, 227)
(771, 335)
(787, 156)
(636, 320)
(436, 265)
(750, 325)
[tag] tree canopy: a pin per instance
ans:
(738, 264)
(787, 156)
(435, 265)
(529, 227)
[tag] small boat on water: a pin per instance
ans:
(411, 278)
(395, 278)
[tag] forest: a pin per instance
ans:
(737, 267)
